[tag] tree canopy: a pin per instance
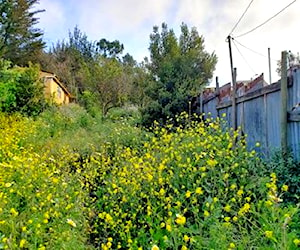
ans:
(179, 68)
(20, 40)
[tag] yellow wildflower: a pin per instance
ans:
(227, 208)
(155, 247)
(227, 219)
(8, 184)
(296, 242)
(186, 238)
(71, 222)
(14, 212)
(206, 213)
(240, 192)
(231, 245)
(285, 188)
(188, 194)
(180, 220)
(203, 169)
(268, 203)
(235, 218)
(211, 162)
(199, 190)
(22, 243)
(184, 247)
(269, 234)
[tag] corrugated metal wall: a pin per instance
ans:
(259, 117)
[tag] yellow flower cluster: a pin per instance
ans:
(36, 192)
(182, 175)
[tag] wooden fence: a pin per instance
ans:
(258, 111)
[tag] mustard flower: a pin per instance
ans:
(296, 242)
(240, 192)
(188, 194)
(199, 190)
(184, 247)
(180, 220)
(14, 212)
(154, 247)
(71, 222)
(269, 234)
(8, 184)
(186, 238)
(206, 213)
(22, 243)
(227, 208)
(285, 188)
(268, 203)
(227, 219)
(231, 245)
(212, 162)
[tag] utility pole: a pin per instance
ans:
(217, 95)
(284, 97)
(269, 59)
(233, 78)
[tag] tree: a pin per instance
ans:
(109, 82)
(21, 89)
(293, 60)
(179, 69)
(20, 40)
(110, 49)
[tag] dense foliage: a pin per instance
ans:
(179, 67)
(72, 181)
(20, 39)
(21, 89)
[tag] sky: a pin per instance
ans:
(131, 22)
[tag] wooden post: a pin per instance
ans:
(284, 97)
(217, 96)
(234, 110)
(233, 77)
(269, 59)
(201, 102)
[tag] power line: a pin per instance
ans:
(243, 57)
(269, 19)
(241, 17)
(258, 53)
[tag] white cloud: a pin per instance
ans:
(52, 20)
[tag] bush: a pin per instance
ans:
(288, 172)
(21, 89)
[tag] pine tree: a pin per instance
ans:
(20, 40)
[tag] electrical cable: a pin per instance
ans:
(243, 57)
(234, 27)
(269, 19)
(258, 53)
